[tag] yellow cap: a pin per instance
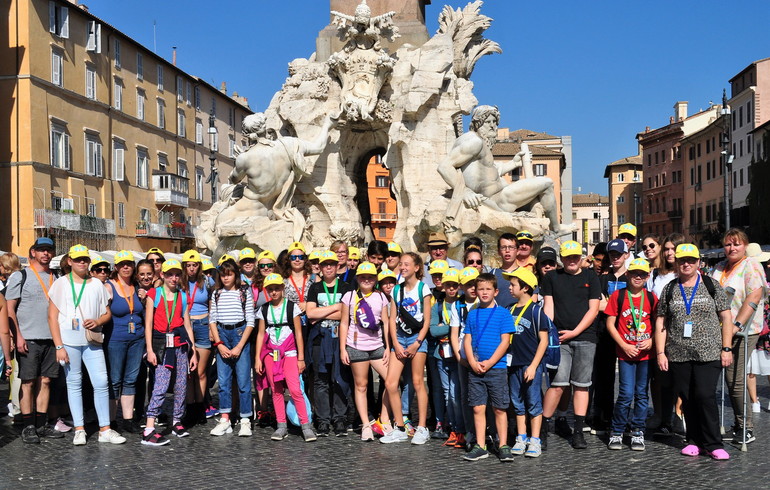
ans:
(639, 265)
(627, 228)
(225, 258)
(450, 275)
(273, 280)
(328, 256)
(98, 259)
(296, 246)
(247, 253)
(78, 251)
(171, 264)
(570, 247)
(191, 256)
(524, 235)
(438, 267)
(206, 265)
(386, 274)
(354, 253)
(266, 254)
(524, 274)
(366, 268)
(394, 247)
(687, 250)
(155, 250)
(124, 256)
(314, 255)
(468, 274)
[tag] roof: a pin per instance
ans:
(749, 66)
(528, 135)
(709, 127)
(508, 148)
(588, 199)
(632, 160)
(764, 126)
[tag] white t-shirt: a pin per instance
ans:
(660, 282)
(93, 304)
(411, 303)
(277, 313)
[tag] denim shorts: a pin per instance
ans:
(407, 341)
(526, 398)
(577, 364)
(490, 388)
(357, 355)
(201, 333)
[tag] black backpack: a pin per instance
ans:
(622, 296)
(668, 290)
(289, 314)
(242, 290)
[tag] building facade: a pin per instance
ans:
(108, 144)
(624, 179)
(382, 206)
(590, 213)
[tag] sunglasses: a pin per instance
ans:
(266, 266)
(156, 261)
(101, 270)
(82, 259)
(473, 262)
(524, 235)
(297, 257)
(688, 260)
(126, 264)
(649, 245)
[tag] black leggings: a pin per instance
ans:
(696, 384)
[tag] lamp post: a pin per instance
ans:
(213, 144)
(637, 181)
(727, 157)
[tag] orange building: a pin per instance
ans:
(382, 205)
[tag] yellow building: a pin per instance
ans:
(625, 192)
(105, 142)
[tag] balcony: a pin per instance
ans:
(384, 217)
(171, 230)
(170, 189)
(68, 220)
(675, 214)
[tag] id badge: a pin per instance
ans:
(334, 332)
(169, 340)
(131, 327)
(276, 355)
(446, 350)
(508, 359)
(76, 324)
(687, 330)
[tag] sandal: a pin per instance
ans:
(719, 454)
(691, 450)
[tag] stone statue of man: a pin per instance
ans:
(475, 178)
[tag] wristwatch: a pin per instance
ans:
(738, 324)
(727, 349)
(59, 347)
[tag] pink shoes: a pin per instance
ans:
(693, 450)
(719, 454)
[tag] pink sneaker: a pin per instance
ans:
(61, 425)
(691, 450)
(719, 454)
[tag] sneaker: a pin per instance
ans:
(50, 432)
(562, 428)
(366, 433)
(729, 434)
(131, 426)
(439, 433)
(308, 434)
(223, 427)
(377, 428)
(505, 454)
(396, 435)
(579, 441)
(211, 412)
(323, 429)
(519, 446)
(245, 427)
(339, 429)
(421, 435)
(616, 443)
(111, 436)
(637, 441)
(154, 438)
(12, 411)
(281, 432)
(460, 443)
(80, 438)
(408, 427)
(451, 440)
(738, 439)
(476, 453)
(534, 449)
(61, 425)
(179, 430)
(29, 435)
(263, 419)
(663, 431)
(756, 407)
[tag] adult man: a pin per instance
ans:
(571, 298)
(27, 294)
(506, 249)
(627, 233)
(476, 179)
(524, 257)
(438, 246)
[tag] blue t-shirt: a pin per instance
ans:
(526, 339)
(485, 326)
(200, 302)
(117, 329)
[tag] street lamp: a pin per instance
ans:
(637, 181)
(727, 157)
(213, 147)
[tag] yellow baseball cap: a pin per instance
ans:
(124, 256)
(171, 264)
(273, 280)
(266, 254)
(468, 274)
(524, 274)
(394, 247)
(639, 265)
(296, 246)
(78, 251)
(627, 228)
(98, 259)
(524, 235)
(354, 253)
(314, 255)
(438, 267)
(687, 250)
(366, 268)
(191, 256)
(386, 274)
(247, 253)
(450, 275)
(570, 247)
(155, 250)
(225, 258)
(328, 256)
(206, 265)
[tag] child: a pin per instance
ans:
(387, 281)
(280, 354)
(436, 270)
(487, 337)
(231, 324)
(168, 335)
(629, 321)
(456, 335)
(526, 355)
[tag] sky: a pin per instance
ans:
(599, 70)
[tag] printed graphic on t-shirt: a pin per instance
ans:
(523, 324)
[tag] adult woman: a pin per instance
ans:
(296, 272)
(651, 249)
(144, 277)
(745, 276)
(9, 263)
(759, 360)
(341, 249)
(124, 339)
(79, 303)
(691, 343)
(155, 256)
(376, 252)
(473, 258)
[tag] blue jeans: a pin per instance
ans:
(634, 379)
(449, 393)
(437, 389)
(526, 397)
(124, 358)
(242, 368)
(201, 333)
(467, 411)
(93, 358)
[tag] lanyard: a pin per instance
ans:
(283, 318)
(636, 315)
(688, 304)
(42, 284)
(725, 277)
(300, 292)
(191, 299)
(129, 299)
(329, 300)
(78, 297)
(447, 317)
(345, 277)
(521, 313)
(477, 338)
(169, 316)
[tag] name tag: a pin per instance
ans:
(169, 340)
(276, 355)
(687, 330)
(131, 327)
(446, 350)
(509, 359)
(76, 324)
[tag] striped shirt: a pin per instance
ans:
(228, 310)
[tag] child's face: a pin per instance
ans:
(515, 288)
(637, 278)
(469, 288)
(392, 260)
(329, 270)
(451, 289)
(437, 281)
(228, 279)
(485, 291)
(171, 278)
(387, 285)
(407, 267)
(275, 292)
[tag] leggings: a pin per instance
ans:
(291, 379)
(163, 380)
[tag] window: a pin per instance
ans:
(140, 104)
(181, 169)
(160, 78)
(383, 232)
(649, 160)
(231, 146)
(692, 175)
(187, 92)
(540, 169)
(740, 148)
(382, 181)
(94, 164)
(91, 210)
(144, 215)
(382, 207)
(93, 36)
(118, 160)
(179, 89)
(691, 153)
(162, 162)
(621, 218)
(139, 66)
(214, 106)
(60, 147)
(198, 132)
(663, 156)
(117, 53)
(142, 168)
(57, 68)
(708, 146)
(121, 215)
(161, 113)
(656, 158)
(621, 199)
(740, 175)
(698, 150)
(595, 237)
(199, 183)
(231, 116)
(749, 115)
(181, 122)
(708, 171)
(621, 177)
(58, 19)
(740, 117)
(90, 82)
(197, 98)
(117, 94)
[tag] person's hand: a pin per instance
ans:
(152, 359)
(385, 356)
(484, 366)
(235, 352)
(61, 356)
(662, 362)
(302, 306)
(193, 362)
(565, 335)
(645, 344)
(301, 365)
(630, 350)
(21, 345)
(412, 349)
(224, 351)
(529, 373)
(727, 358)
(8, 370)
(142, 293)
(258, 366)
(344, 358)
(90, 324)
(400, 352)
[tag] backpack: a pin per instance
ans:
(242, 290)
(552, 356)
(621, 297)
(289, 314)
(158, 298)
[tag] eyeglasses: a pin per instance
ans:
(266, 266)
(101, 270)
(297, 257)
(473, 262)
(82, 259)
(688, 260)
(649, 245)
(507, 247)
(156, 261)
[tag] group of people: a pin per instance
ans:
(516, 342)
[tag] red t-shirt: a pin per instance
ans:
(625, 321)
(160, 319)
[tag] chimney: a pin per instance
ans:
(680, 111)
(173, 56)
(223, 88)
(671, 120)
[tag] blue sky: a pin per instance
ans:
(599, 71)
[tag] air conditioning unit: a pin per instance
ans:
(68, 204)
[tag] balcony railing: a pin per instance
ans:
(67, 220)
(383, 217)
(675, 214)
(171, 230)
(170, 189)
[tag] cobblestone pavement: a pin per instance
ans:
(203, 461)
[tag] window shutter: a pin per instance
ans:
(98, 38)
(52, 16)
(55, 69)
(99, 162)
(67, 164)
(118, 172)
(90, 35)
(65, 23)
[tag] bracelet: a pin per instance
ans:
(217, 344)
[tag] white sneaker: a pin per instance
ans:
(756, 407)
(396, 435)
(80, 438)
(421, 435)
(111, 436)
(223, 427)
(245, 429)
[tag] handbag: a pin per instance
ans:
(95, 337)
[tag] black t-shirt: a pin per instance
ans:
(611, 283)
(317, 294)
(571, 294)
(348, 277)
